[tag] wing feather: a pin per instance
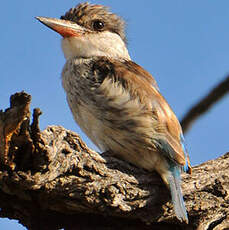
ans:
(139, 83)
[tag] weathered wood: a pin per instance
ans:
(52, 180)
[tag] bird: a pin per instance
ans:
(115, 101)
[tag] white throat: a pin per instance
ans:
(95, 44)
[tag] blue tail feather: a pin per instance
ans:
(186, 166)
(174, 181)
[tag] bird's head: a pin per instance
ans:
(90, 30)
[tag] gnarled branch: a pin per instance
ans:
(52, 180)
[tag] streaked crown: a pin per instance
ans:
(96, 18)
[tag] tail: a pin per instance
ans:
(174, 182)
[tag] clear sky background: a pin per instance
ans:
(183, 44)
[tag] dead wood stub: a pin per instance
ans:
(52, 180)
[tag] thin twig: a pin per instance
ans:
(205, 104)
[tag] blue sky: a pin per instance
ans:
(183, 44)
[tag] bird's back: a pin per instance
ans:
(121, 109)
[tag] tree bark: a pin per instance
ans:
(52, 180)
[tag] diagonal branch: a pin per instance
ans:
(205, 104)
(52, 180)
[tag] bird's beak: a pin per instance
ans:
(63, 27)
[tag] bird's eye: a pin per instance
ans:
(98, 25)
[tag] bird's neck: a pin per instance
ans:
(108, 45)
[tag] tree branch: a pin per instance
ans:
(205, 104)
(52, 180)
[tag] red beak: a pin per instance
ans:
(63, 27)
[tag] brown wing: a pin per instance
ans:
(140, 82)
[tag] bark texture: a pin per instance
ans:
(52, 180)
